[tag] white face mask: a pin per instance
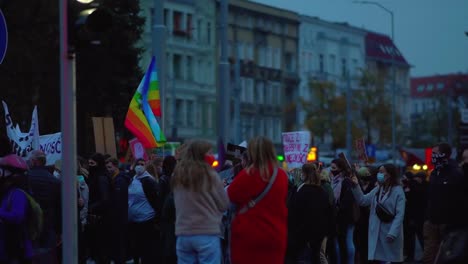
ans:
(57, 174)
(139, 169)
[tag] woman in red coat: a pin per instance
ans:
(260, 234)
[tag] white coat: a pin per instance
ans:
(379, 248)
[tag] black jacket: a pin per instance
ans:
(446, 198)
(119, 200)
(46, 190)
(152, 193)
(310, 213)
(347, 211)
(99, 184)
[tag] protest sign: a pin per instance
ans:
(138, 150)
(296, 146)
(361, 149)
(51, 145)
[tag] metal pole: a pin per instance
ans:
(393, 93)
(237, 92)
(450, 117)
(68, 123)
(348, 115)
(174, 110)
(159, 52)
(224, 83)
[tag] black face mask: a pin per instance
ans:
(439, 160)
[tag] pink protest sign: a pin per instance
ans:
(138, 150)
(296, 146)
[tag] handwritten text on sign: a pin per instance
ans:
(296, 147)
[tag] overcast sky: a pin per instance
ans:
(429, 33)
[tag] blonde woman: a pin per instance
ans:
(200, 200)
(259, 234)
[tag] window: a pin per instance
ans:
(268, 57)
(420, 88)
(199, 30)
(208, 33)
(189, 26)
(242, 86)
(166, 16)
(290, 62)
(189, 68)
(277, 130)
(249, 90)
(277, 58)
(261, 56)
(355, 69)
(321, 63)
(209, 72)
(248, 51)
(344, 69)
(430, 87)
(259, 92)
(440, 86)
(269, 128)
(304, 60)
(177, 21)
(190, 113)
(268, 93)
(332, 64)
(151, 22)
(241, 50)
(310, 62)
(177, 64)
(209, 116)
(180, 112)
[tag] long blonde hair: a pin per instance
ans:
(262, 154)
(192, 172)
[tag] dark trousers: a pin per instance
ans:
(97, 238)
(145, 242)
(297, 248)
(414, 230)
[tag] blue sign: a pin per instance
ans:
(370, 149)
(3, 37)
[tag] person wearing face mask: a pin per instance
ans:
(387, 210)
(144, 209)
(310, 216)
(97, 229)
(446, 205)
(347, 213)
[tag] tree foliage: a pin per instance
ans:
(107, 71)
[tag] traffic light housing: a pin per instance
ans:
(87, 19)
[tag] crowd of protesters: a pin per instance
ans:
(178, 209)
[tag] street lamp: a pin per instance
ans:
(393, 75)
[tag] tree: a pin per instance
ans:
(375, 108)
(325, 112)
(108, 73)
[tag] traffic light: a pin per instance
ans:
(87, 19)
(280, 157)
(313, 154)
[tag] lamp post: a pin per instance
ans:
(393, 75)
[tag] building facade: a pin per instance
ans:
(190, 103)
(434, 101)
(330, 52)
(263, 40)
(381, 55)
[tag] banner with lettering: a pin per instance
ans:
(296, 146)
(24, 143)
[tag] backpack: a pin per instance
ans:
(34, 216)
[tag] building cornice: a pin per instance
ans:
(334, 25)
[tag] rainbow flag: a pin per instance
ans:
(143, 109)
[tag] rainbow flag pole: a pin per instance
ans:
(144, 107)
